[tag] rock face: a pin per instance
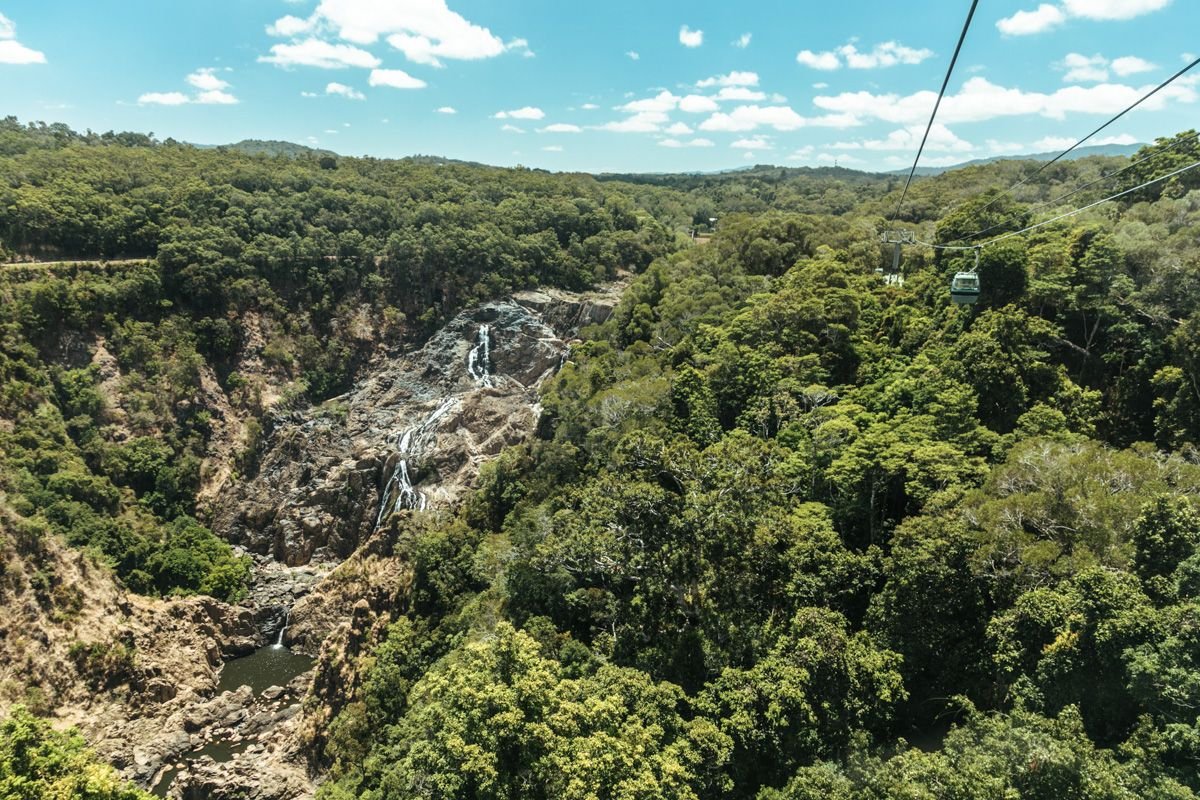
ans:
(412, 434)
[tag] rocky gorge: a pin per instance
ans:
(217, 700)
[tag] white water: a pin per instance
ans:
(287, 615)
(410, 443)
(479, 360)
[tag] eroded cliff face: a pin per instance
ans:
(411, 435)
(158, 698)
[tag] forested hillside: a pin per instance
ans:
(787, 529)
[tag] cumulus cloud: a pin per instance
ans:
(425, 31)
(676, 143)
(12, 51)
(678, 129)
(1131, 65)
(885, 54)
(318, 53)
(748, 118)
(508, 128)
(689, 37)
(1085, 69)
(641, 122)
(343, 90)
(447, 110)
(757, 143)
(743, 41)
(1024, 23)
(163, 99)
(697, 104)
(979, 100)
(801, 154)
(1063, 142)
(1047, 15)
(732, 79)
(740, 93)
(663, 101)
(941, 139)
(633, 55)
(527, 112)
(589, 106)
(395, 78)
(561, 127)
(211, 91)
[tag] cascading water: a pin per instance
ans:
(287, 615)
(479, 360)
(410, 444)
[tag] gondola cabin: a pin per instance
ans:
(964, 289)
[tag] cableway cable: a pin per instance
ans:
(1052, 220)
(1064, 153)
(1089, 184)
(945, 82)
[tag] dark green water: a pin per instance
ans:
(273, 665)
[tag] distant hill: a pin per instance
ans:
(1083, 152)
(270, 147)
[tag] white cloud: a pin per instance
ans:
(1024, 23)
(676, 143)
(1131, 65)
(344, 90)
(740, 93)
(163, 99)
(206, 80)
(885, 54)
(802, 154)
(309, 94)
(1112, 9)
(589, 106)
(553, 148)
(827, 61)
(757, 143)
(1085, 69)
(678, 129)
(425, 31)
(561, 127)
(642, 122)
(446, 110)
(663, 101)
(633, 55)
(1047, 16)
(211, 92)
(697, 104)
(289, 26)
(941, 139)
(748, 118)
(743, 41)
(528, 112)
(395, 78)
(821, 85)
(979, 100)
(216, 97)
(318, 53)
(507, 128)
(1063, 142)
(12, 51)
(734, 78)
(689, 37)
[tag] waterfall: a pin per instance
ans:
(399, 491)
(479, 360)
(287, 615)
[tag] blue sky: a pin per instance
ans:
(606, 86)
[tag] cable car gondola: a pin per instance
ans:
(964, 289)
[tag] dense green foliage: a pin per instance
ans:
(788, 530)
(834, 516)
(39, 763)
